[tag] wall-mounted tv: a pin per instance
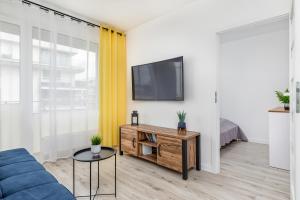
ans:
(158, 81)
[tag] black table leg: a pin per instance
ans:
(98, 175)
(198, 153)
(115, 175)
(74, 177)
(184, 160)
(90, 180)
(120, 142)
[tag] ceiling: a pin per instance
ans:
(121, 14)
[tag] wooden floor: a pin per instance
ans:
(244, 175)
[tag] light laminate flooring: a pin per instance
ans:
(245, 175)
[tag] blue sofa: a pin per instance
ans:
(23, 178)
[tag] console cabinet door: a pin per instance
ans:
(169, 153)
(129, 141)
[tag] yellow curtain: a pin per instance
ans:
(112, 85)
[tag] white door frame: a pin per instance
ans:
(295, 116)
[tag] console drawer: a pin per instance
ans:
(129, 141)
(169, 153)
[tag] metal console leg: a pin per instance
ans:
(73, 177)
(98, 176)
(90, 180)
(120, 142)
(198, 153)
(184, 160)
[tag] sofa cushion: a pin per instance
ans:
(23, 178)
(19, 168)
(13, 152)
(25, 181)
(52, 191)
(16, 159)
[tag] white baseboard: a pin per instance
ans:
(260, 141)
(208, 168)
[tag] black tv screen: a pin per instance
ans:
(161, 80)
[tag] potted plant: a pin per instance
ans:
(284, 97)
(181, 117)
(96, 141)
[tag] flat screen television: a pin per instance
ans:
(158, 81)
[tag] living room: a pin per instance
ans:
(123, 99)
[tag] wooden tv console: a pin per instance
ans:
(176, 150)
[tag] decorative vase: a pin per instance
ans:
(95, 149)
(181, 125)
(134, 118)
(286, 106)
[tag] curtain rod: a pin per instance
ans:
(56, 12)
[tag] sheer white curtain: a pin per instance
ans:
(48, 81)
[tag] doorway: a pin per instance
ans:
(253, 64)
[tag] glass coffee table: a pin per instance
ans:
(85, 155)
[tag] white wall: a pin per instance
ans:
(254, 63)
(191, 32)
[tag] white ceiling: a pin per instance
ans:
(121, 14)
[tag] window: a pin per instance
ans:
(72, 75)
(48, 81)
(9, 63)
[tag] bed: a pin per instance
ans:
(229, 132)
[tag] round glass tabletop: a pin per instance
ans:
(85, 155)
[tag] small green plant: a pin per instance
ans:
(181, 116)
(282, 97)
(96, 140)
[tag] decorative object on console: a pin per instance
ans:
(284, 97)
(181, 123)
(181, 131)
(134, 118)
(96, 141)
(146, 150)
